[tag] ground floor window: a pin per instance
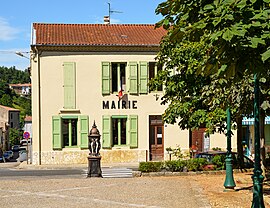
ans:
(70, 131)
(120, 130)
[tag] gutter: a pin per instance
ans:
(37, 57)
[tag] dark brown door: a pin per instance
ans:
(156, 138)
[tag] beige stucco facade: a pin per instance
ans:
(48, 101)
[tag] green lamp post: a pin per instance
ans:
(229, 180)
(257, 177)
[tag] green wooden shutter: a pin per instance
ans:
(106, 132)
(84, 128)
(133, 130)
(133, 78)
(106, 78)
(69, 85)
(143, 77)
(56, 131)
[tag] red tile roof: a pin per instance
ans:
(8, 108)
(97, 34)
(20, 85)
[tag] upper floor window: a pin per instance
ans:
(131, 77)
(118, 77)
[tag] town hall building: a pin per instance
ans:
(86, 73)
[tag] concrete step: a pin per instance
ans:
(114, 172)
(117, 173)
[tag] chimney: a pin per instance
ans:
(106, 20)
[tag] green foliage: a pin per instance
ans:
(211, 51)
(216, 149)
(13, 76)
(7, 96)
(6, 100)
(177, 152)
(150, 166)
(14, 136)
(219, 162)
(175, 165)
(169, 149)
(196, 164)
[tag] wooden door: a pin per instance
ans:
(156, 138)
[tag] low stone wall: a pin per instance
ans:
(80, 156)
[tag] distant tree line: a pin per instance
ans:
(8, 97)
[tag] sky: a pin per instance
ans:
(17, 17)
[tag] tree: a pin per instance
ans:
(236, 37)
(227, 33)
(236, 32)
(14, 136)
(6, 100)
(7, 96)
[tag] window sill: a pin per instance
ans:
(122, 147)
(69, 110)
(70, 147)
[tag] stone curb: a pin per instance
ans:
(167, 173)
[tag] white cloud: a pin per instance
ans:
(6, 31)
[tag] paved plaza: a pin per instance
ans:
(101, 192)
(76, 190)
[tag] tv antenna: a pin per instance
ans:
(107, 19)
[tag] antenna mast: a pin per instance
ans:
(107, 19)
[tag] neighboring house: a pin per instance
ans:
(21, 89)
(9, 118)
(83, 73)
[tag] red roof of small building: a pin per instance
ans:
(97, 34)
(9, 108)
(21, 85)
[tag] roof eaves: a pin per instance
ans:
(120, 45)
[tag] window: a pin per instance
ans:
(120, 130)
(115, 75)
(118, 77)
(70, 131)
(153, 70)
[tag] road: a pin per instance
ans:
(17, 173)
